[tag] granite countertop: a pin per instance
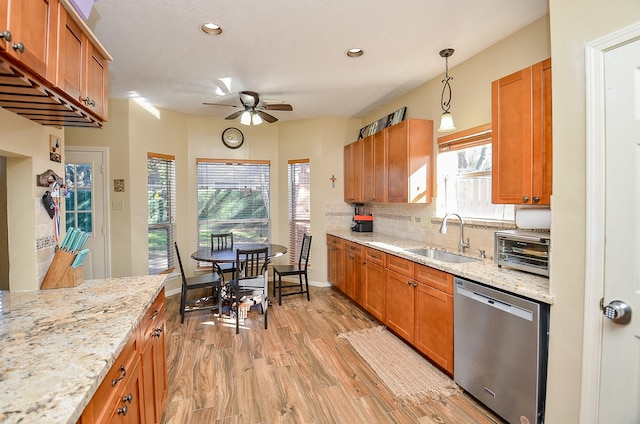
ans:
(57, 345)
(483, 271)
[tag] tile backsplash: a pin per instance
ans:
(418, 222)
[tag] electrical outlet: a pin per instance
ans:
(117, 205)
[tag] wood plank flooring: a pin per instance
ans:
(296, 371)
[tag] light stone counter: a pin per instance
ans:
(57, 345)
(483, 271)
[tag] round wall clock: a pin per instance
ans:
(232, 138)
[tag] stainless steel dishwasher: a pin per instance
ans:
(500, 355)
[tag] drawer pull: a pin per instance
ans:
(6, 34)
(19, 47)
(126, 399)
(124, 373)
(157, 332)
(155, 314)
(122, 410)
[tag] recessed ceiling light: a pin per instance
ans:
(355, 52)
(211, 28)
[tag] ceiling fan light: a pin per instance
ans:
(245, 118)
(446, 122)
(256, 119)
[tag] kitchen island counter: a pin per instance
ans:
(483, 271)
(57, 345)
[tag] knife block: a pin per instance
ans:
(60, 273)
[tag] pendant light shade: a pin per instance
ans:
(446, 120)
(256, 119)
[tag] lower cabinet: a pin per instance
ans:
(400, 305)
(373, 280)
(352, 262)
(334, 262)
(135, 388)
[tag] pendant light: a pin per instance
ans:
(446, 120)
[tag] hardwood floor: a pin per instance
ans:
(296, 371)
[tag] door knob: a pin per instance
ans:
(618, 311)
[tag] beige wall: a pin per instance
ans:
(26, 146)
(573, 24)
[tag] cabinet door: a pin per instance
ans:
(154, 371)
(353, 276)
(400, 304)
(512, 137)
(434, 325)
(334, 262)
(353, 172)
(71, 72)
(397, 165)
(374, 290)
(128, 408)
(374, 170)
(34, 29)
(97, 77)
(542, 133)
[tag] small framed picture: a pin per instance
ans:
(118, 185)
(55, 149)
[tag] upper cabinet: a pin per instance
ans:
(29, 30)
(522, 136)
(394, 165)
(52, 69)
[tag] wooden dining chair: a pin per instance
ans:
(223, 241)
(300, 270)
(251, 283)
(212, 280)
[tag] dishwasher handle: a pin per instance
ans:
(495, 303)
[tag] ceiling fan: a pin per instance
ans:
(253, 111)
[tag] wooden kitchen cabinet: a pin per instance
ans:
(83, 70)
(400, 304)
(135, 388)
(33, 29)
(434, 315)
(373, 167)
(522, 136)
(352, 262)
(353, 172)
(154, 361)
(409, 162)
(374, 283)
(334, 262)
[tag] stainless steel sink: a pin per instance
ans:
(441, 255)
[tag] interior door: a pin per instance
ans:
(85, 207)
(620, 366)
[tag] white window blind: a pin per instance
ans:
(233, 196)
(299, 194)
(161, 200)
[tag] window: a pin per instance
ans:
(299, 194)
(464, 176)
(233, 197)
(79, 203)
(161, 199)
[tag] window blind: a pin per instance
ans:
(233, 196)
(161, 218)
(299, 205)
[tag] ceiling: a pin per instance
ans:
(293, 51)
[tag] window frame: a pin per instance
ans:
(295, 223)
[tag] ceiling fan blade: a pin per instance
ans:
(249, 98)
(234, 115)
(266, 117)
(219, 104)
(278, 106)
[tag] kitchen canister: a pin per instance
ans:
(533, 218)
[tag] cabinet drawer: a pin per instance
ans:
(114, 381)
(153, 315)
(401, 266)
(374, 256)
(334, 242)
(435, 278)
(354, 248)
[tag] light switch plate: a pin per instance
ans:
(117, 205)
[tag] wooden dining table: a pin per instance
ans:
(206, 254)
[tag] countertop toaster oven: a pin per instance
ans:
(523, 250)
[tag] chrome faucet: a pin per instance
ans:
(443, 230)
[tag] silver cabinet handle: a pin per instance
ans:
(525, 199)
(124, 374)
(6, 34)
(536, 199)
(18, 47)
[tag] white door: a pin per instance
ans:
(85, 206)
(620, 364)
